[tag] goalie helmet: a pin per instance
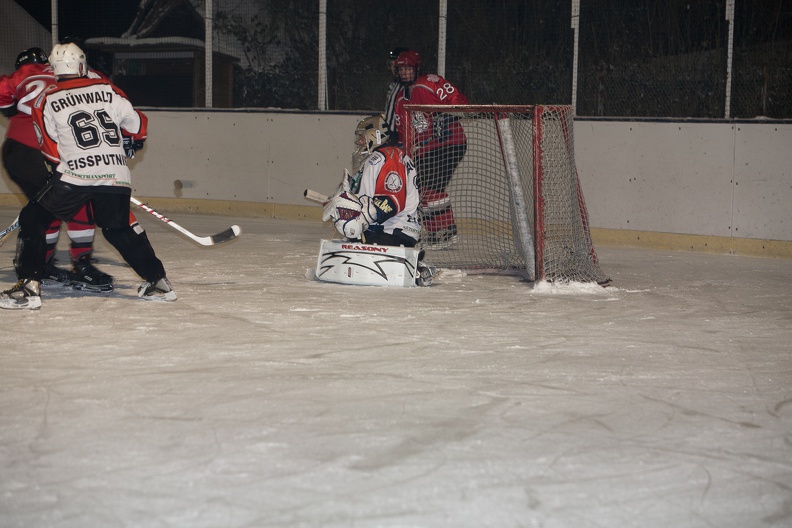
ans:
(68, 59)
(30, 56)
(370, 133)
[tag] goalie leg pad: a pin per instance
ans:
(367, 264)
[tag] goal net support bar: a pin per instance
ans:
(500, 191)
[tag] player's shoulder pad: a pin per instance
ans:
(376, 158)
(37, 103)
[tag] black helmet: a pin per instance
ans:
(31, 56)
(394, 53)
(80, 41)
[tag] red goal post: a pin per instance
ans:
(514, 201)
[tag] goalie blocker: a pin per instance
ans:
(366, 264)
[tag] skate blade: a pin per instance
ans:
(165, 297)
(102, 288)
(52, 283)
(24, 304)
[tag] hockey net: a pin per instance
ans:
(513, 204)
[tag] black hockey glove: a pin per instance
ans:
(131, 146)
(441, 124)
(9, 111)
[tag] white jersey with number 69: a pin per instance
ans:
(79, 123)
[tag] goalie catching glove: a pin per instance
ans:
(352, 214)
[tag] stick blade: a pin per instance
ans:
(229, 234)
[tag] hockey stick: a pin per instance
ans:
(347, 182)
(229, 234)
(316, 197)
(7, 231)
(224, 236)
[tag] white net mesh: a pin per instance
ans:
(512, 203)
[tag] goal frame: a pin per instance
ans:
(529, 224)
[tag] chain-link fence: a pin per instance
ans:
(676, 58)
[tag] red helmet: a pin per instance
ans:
(409, 58)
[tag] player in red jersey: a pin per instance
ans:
(438, 143)
(25, 165)
(81, 124)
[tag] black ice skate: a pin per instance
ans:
(25, 295)
(442, 239)
(85, 276)
(54, 274)
(160, 290)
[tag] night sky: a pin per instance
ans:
(85, 18)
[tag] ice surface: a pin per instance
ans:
(263, 399)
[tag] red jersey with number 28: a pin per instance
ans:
(79, 122)
(21, 88)
(429, 131)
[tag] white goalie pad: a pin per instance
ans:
(366, 264)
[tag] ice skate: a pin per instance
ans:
(425, 275)
(25, 295)
(160, 290)
(54, 274)
(85, 276)
(441, 239)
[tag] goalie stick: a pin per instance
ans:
(347, 184)
(224, 236)
(314, 196)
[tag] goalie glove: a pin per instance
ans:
(353, 214)
(349, 183)
(377, 209)
(345, 210)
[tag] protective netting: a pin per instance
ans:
(676, 58)
(513, 204)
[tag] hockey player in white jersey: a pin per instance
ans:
(379, 204)
(87, 128)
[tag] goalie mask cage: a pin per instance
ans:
(515, 195)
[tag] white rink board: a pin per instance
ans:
(698, 178)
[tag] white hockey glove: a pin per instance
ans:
(349, 183)
(368, 210)
(344, 209)
(346, 182)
